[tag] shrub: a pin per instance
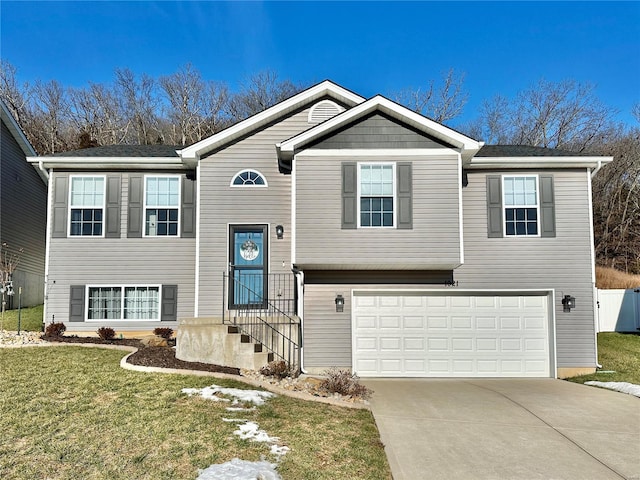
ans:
(163, 332)
(55, 329)
(277, 368)
(106, 333)
(344, 383)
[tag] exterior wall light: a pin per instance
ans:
(339, 303)
(279, 232)
(568, 302)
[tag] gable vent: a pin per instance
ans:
(324, 110)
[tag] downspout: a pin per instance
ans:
(596, 312)
(47, 244)
(299, 275)
(43, 170)
(597, 169)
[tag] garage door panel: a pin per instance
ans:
(444, 336)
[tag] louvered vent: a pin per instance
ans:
(324, 110)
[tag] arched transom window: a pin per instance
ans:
(249, 178)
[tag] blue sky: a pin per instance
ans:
(368, 47)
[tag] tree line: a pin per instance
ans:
(183, 108)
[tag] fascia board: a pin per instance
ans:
(17, 132)
(537, 162)
(97, 163)
(196, 150)
(391, 108)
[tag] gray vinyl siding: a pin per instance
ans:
(23, 218)
(562, 262)
(432, 243)
(378, 131)
(119, 261)
(222, 205)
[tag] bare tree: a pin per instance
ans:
(49, 130)
(440, 102)
(260, 92)
(140, 106)
(15, 96)
(565, 115)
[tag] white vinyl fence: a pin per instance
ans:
(619, 310)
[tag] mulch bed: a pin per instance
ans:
(163, 357)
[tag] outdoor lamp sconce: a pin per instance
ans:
(339, 303)
(279, 232)
(568, 302)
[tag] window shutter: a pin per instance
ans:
(349, 195)
(60, 210)
(169, 312)
(404, 192)
(76, 303)
(547, 207)
(112, 216)
(136, 191)
(494, 206)
(188, 208)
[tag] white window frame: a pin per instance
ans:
(395, 194)
(505, 206)
(122, 303)
(86, 207)
(144, 204)
(249, 185)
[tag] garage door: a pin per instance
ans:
(470, 335)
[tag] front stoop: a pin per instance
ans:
(208, 341)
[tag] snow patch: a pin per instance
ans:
(251, 431)
(623, 387)
(238, 395)
(238, 469)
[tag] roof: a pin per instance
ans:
(524, 156)
(525, 151)
(123, 151)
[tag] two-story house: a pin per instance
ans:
(402, 247)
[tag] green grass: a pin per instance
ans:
(72, 413)
(619, 353)
(30, 319)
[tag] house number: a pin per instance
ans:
(451, 283)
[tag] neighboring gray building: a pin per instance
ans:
(403, 247)
(23, 210)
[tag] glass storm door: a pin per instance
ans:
(248, 266)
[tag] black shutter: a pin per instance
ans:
(76, 303)
(169, 311)
(404, 192)
(494, 206)
(547, 207)
(112, 216)
(60, 198)
(188, 208)
(136, 191)
(349, 194)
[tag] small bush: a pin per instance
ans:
(278, 369)
(345, 383)
(163, 332)
(55, 329)
(106, 333)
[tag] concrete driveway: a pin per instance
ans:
(506, 429)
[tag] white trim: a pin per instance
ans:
(196, 306)
(102, 163)
(323, 89)
(469, 146)
(537, 162)
(158, 207)
(460, 209)
(249, 185)
(378, 152)
(505, 206)
(47, 248)
(596, 311)
(394, 196)
(71, 207)
(122, 288)
(294, 223)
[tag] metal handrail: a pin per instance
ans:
(277, 334)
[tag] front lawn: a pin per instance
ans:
(619, 353)
(30, 319)
(73, 413)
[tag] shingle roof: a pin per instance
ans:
(525, 151)
(124, 151)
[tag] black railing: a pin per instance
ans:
(263, 306)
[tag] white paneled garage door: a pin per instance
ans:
(463, 335)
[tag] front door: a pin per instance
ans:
(248, 266)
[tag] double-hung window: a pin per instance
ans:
(123, 303)
(376, 194)
(86, 206)
(162, 205)
(521, 205)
